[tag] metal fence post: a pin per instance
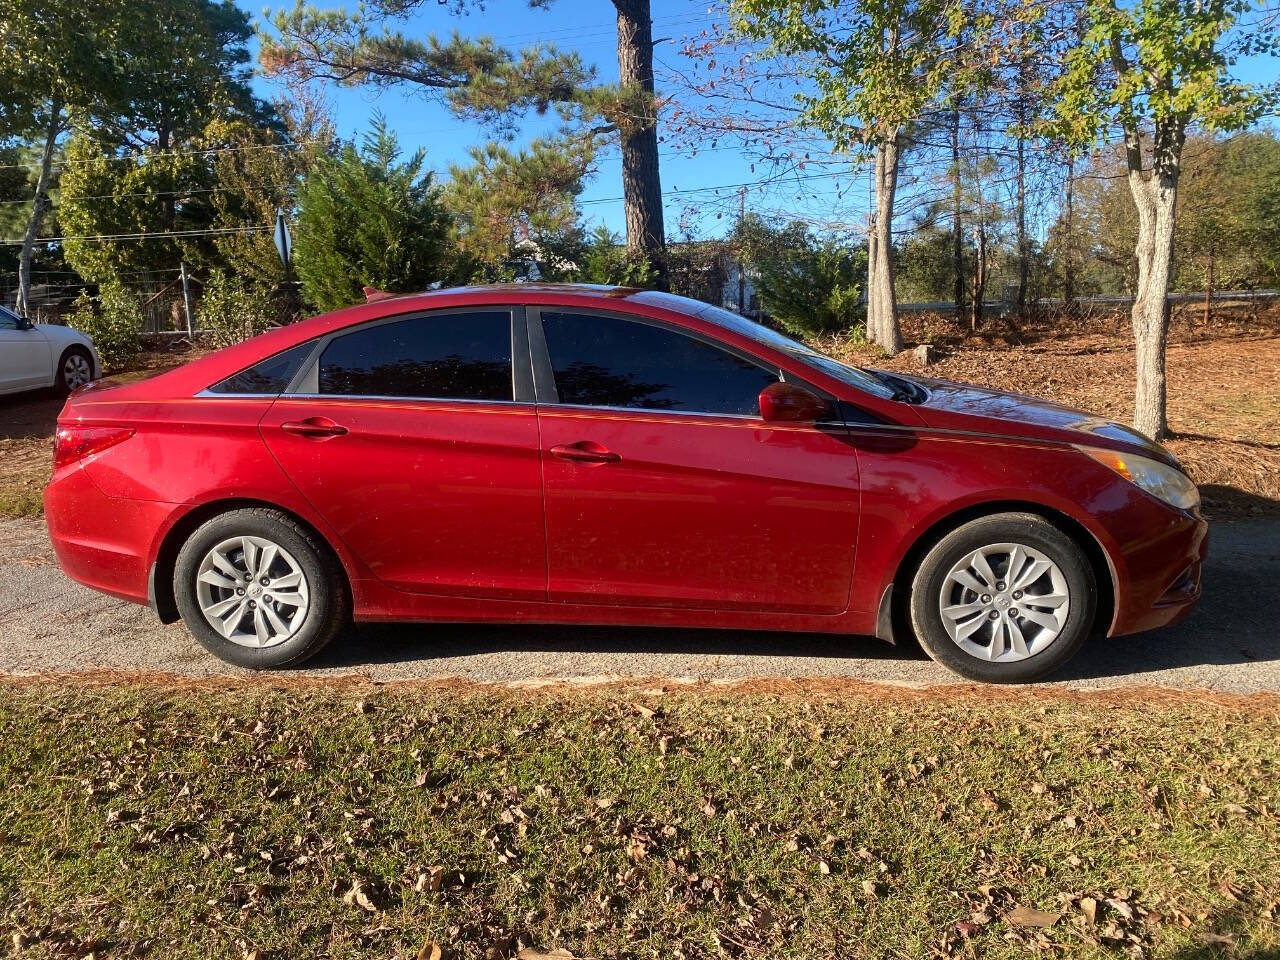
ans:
(186, 297)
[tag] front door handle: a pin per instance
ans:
(316, 428)
(584, 451)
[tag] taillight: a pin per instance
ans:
(74, 442)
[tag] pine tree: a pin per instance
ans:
(399, 243)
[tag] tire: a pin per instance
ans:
(306, 590)
(72, 364)
(1049, 631)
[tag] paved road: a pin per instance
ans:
(1231, 643)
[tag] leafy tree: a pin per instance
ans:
(136, 165)
(479, 78)
(811, 286)
(399, 240)
(875, 66)
(257, 176)
(1154, 69)
(59, 59)
(1228, 216)
(509, 205)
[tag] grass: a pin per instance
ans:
(371, 822)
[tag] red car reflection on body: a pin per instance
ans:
(584, 455)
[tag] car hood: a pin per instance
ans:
(959, 406)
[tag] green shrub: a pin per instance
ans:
(605, 260)
(233, 309)
(114, 322)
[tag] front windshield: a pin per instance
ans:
(853, 376)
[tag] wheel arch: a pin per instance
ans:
(893, 616)
(160, 579)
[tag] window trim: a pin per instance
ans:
(547, 394)
(306, 381)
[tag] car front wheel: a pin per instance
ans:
(1003, 599)
(258, 590)
(75, 369)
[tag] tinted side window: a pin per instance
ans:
(608, 362)
(270, 376)
(8, 319)
(463, 356)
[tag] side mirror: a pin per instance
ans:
(26, 323)
(788, 403)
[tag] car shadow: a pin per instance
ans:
(378, 644)
(1234, 623)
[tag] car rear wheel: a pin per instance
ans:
(258, 590)
(1003, 599)
(75, 369)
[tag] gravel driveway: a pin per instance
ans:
(1231, 642)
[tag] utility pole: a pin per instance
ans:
(186, 298)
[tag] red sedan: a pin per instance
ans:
(609, 456)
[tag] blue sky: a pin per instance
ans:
(589, 27)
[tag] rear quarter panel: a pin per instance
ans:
(188, 453)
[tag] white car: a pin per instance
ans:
(36, 355)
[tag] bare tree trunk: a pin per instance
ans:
(641, 183)
(1024, 254)
(1156, 200)
(1208, 286)
(872, 333)
(882, 305)
(1069, 264)
(957, 241)
(38, 206)
(979, 276)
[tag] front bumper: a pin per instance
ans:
(1162, 567)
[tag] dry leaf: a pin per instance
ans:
(359, 896)
(1021, 916)
(528, 953)
(824, 868)
(430, 951)
(871, 888)
(1089, 907)
(1120, 907)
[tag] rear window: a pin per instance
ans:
(268, 376)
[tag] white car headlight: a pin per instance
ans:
(1158, 479)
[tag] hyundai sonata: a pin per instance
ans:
(579, 455)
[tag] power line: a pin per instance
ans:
(169, 234)
(150, 156)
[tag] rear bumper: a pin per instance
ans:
(1160, 582)
(100, 541)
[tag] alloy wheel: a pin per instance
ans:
(252, 591)
(1004, 602)
(76, 371)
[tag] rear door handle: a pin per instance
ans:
(584, 451)
(317, 428)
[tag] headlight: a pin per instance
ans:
(1158, 479)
